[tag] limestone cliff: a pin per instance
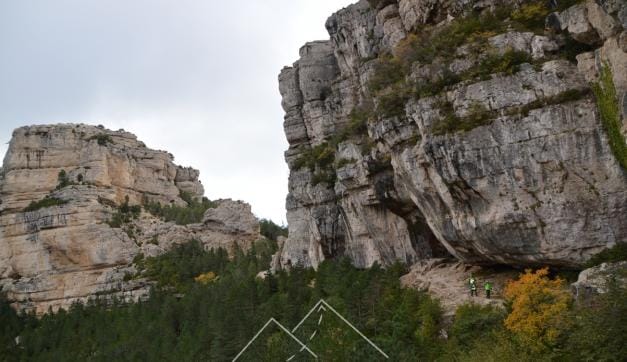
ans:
(428, 128)
(61, 187)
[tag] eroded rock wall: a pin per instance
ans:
(537, 184)
(66, 252)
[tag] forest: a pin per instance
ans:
(206, 306)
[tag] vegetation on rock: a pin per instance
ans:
(182, 215)
(102, 139)
(614, 254)
(124, 214)
(271, 230)
(63, 180)
(392, 85)
(47, 201)
(607, 102)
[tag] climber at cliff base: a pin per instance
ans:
(473, 285)
(488, 289)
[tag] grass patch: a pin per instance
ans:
(607, 103)
(507, 63)
(47, 201)
(567, 96)
(531, 16)
(450, 123)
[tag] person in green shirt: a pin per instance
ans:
(488, 288)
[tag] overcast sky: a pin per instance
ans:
(195, 77)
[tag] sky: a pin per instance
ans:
(197, 78)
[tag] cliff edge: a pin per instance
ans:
(79, 203)
(491, 131)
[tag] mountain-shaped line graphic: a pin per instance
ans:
(320, 306)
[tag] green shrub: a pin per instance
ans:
(607, 103)
(473, 321)
(429, 88)
(324, 176)
(124, 215)
(192, 213)
(449, 122)
(358, 122)
(271, 230)
(507, 63)
(62, 180)
(47, 201)
(321, 156)
(616, 253)
(182, 264)
(600, 329)
(531, 16)
(465, 30)
(388, 71)
(11, 324)
(103, 139)
(391, 103)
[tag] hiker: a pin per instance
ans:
(473, 285)
(488, 288)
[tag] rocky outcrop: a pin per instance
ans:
(60, 187)
(597, 280)
(231, 224)
(490, 165)
(448, 281)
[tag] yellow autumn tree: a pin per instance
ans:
(206, 278)
(539, 307)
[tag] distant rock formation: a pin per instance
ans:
(452, 155)
(75, 177)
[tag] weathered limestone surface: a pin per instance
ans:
(536, 185)
(56, 255)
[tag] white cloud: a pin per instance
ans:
(196, 78)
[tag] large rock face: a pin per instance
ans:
(536, 184)
(55, 255)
